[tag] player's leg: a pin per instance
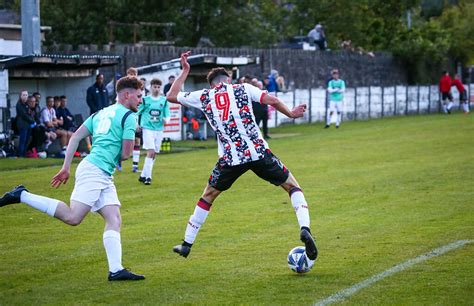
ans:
(72, 215)
(329, 114)
(148, 144)
(136, 153)
(271, 169)
(221, 179)
(464, 102)
(151, 154)
(112, 239)
(339, 113)
(450, 103)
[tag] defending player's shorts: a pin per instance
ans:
(269, 168)
(94, 187)
(152, 140)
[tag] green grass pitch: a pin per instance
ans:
(380, 192)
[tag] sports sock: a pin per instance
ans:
(465, 107)
(300, 206)
(338, 120)
(151, 167)
(328, 119)
(146, 172)
(43, 204)
(136, 156)
(113, 249)
(450, 105)
(196, 220)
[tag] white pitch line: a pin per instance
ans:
(345, 293)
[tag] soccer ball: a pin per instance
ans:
(298, 261)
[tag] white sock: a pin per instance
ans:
(450, 105)
(445, 108)
(113, 249)
(328, 119)
(196, 220)
(147, 167)
(300, 206)
(136, 157)
(465, 107)
(151, 167)
(43, 204)
(338, 120)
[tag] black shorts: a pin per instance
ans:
(269, 168)
(447, 95)
(463, 97)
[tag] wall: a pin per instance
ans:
(301, 69)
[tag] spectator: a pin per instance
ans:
(38, 136)
(62, 112)
(318, 36)
(260, 110)
(57, 102)
(462, 93)
(272, 86)
(445, 84)
(51, 123)
(280, 80)
(97, 95)
(37, 96)
(24, 122)
(336, 89)
(171, 79)
(145, 90)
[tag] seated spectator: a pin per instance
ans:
(318, 36)
(38, 135)
(37, 96)
(24, 122)
(51, 123)
(57, 102)
(63, 113)
(272, 86)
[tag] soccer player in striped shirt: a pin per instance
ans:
(241, 147)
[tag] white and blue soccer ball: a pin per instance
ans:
(298, 261)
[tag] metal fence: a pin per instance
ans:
(362, 103)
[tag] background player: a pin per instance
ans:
(113, 130)
(241, 147)
(445, 84)
(462, 93)
(336, 88)
(154, 112)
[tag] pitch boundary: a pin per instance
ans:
(345, 293)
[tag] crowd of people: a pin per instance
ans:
(39, 127)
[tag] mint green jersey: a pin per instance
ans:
(336, 84)
(153, 111)
(109, 127)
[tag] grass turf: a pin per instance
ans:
(380, 192)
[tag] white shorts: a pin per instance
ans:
(335, 106)
(152, 140)
(94, 187)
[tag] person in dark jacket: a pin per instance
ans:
(97, 95)
(38, 132)
(24, 121)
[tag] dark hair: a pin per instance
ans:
(56, 98)
(445, 71)
(63, 97)
(128, 82)
(49, 97)
(36, 93)
(98, 76)
(132, 70)
(216, 72)
(171, 77)
(155, 81)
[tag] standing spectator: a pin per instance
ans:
(445, 84)
(24, 122)
(51, 123)
(154, 113)
(318, 36)
(97, 95)
(145, 90)
(336, 88)
(462, 93)
(171, 79)
(260, 110)
(272, 86)
(38, 136)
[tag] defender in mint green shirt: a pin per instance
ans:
(336, 89)
(153, 111)
(108, 128)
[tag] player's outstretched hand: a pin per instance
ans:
(60, 178)
(298, 111)
(184, 60)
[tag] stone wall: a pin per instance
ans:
(301, 69)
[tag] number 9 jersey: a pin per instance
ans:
(228, 109)
(108, 128)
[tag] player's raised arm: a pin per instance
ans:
(172, 95)
(278, 104)
(63, 175)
